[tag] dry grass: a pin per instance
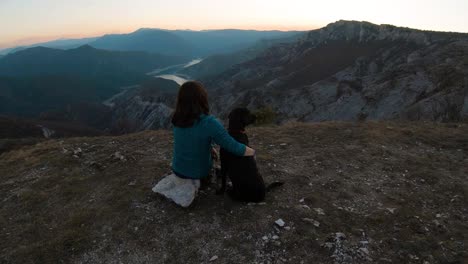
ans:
(399, 186)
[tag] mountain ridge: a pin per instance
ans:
(83, 59)
(318, 70)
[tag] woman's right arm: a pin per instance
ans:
(222, 138)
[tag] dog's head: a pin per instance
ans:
(241, 117)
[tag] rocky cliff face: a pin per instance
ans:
(354, 70)
(148, 106)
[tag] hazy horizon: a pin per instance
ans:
(33, 21)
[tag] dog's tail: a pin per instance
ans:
(274, 185)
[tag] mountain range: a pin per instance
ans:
(168, 42)
(84, 60)
(348, 70)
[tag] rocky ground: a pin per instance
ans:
(355, 193)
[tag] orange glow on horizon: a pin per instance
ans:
(90, 34)
(29, 21)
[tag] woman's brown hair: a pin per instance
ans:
(192, 101)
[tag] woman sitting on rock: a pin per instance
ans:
(194, 132)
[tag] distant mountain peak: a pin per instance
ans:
(85, 47)
(149, 30)
(363, 31)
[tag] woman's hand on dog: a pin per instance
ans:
(249, 151)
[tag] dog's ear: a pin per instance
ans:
(235, 120)
(247, 117)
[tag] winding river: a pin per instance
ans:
(170, 73)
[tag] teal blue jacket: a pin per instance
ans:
(192, 147)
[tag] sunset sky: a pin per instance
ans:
(28, 21)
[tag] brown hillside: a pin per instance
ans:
(354, 193)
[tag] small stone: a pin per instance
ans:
(328, 245)
(77, 151)
(275, 237)
(391, 210)
(118, 156)
(213, 258)
(340, 235)
(364, 250)
(280, 222)
(287, 228)
(283, 144)
(311, 221)
(319, 211)
(305, 206)
(437, 223)
(132, 183)
(438, 215)
(265, 238)
(301, 200)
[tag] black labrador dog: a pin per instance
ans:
(247, 183)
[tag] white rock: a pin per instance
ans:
(132, 183)
(77, 151)
(311, 221)
(319, 211)
(275, 237)
(280, 222)
(301, 200)
(265, 238)
(213, 258)
(340, 235)
(364, 250)
(181, 191)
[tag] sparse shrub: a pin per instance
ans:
(264, 115)
(362, 116)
